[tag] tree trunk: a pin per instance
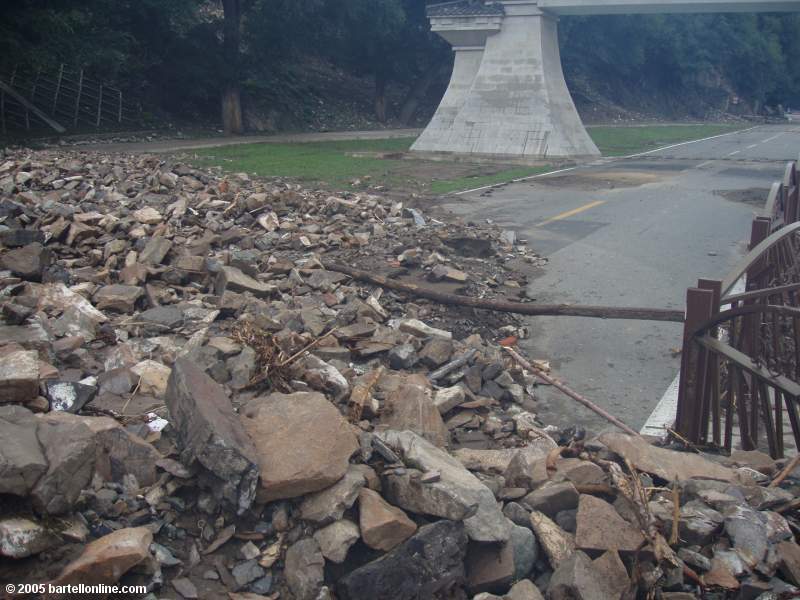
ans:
(380, 96)
(231, 96)
(418, 91)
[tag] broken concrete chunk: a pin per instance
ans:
(302, 442)
(211, 433)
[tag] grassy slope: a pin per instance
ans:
(333, 163)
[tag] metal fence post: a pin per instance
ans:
(58, 89)
(78, 98)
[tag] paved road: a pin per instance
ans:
(632, 232)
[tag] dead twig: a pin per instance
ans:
(683, 440)
(785, 471)
(297, 355)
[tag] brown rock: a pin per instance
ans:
(28, 262)
(789, 554)
(489, 567)
(19, 376)
(118, 297)
(577, 578)
(552, 499)
(720, 576)
(410, 408)
(107, 559)
(666, 464)
(616, 575)
(599, 527)
(558, 545)
(382, 525)
(232, 279)
(302, 442)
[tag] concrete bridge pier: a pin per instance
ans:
(518, 103)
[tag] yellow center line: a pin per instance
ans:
(572, 212)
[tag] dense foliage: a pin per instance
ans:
(172, 52)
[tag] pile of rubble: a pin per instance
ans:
(191, 402)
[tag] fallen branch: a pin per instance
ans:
(550, 310)
(453, 365)
(785, 472)
(572, 394)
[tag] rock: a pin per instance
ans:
(20, 538)
(155, 251)
(107, 559)
(614, 573)
(457, 495)
(185, 588)
(153, 377)
(498, 461)
(211, 433)
(303, 569)
(68, 396)
(70, 449)
(489, 567)
(382, 525)
(323, 377)
(694, 559)
(28, 262)
(600, 528)
(551, 499)
(517, 514)
(118, 297)
(162, 319)
(410, 407)
(524, 590)
(420, 329)
(330, 504)
(557, 544)
(402, 357)
(747, 529)
(447, 399)
(19, 376)
(247, 572)
(424, 566)
(577, 578)
(789, 554)
(302, 442)
(698, 523)
(720, 576)
(336, 539)
(232, 279)
(118, 381)
(148, 215)
(22, 460)
(525, 551)
(666, 464)
(436, 352)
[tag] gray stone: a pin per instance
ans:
(247, 572)
(68, 396)
(526, 551)
(20, 538)
(330, 504)
(457, 495)
(242, 368)
(430, 562)
(323, 377)
(155, 251)
(524, 590)
(517, 514)
(747, 529)
(402, 357)
(185, 588)
(22, 460)
(447, 399)
(118, 381)
(19, 376)
(211, 433)
(164, 319)
(698, 524)
(694, 559)
(336, 539)
(552, 499)
(232, 279)
(304, 569)
(70, 451)
(302, 442)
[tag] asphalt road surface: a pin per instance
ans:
(632, 232)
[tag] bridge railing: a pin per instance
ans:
(740, 366)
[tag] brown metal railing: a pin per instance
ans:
(740, 368)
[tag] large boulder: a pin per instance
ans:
(303, 444)
(457, 495)
(424, 566)
(211, 433)
(22, 461)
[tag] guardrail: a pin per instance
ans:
(740, 367)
